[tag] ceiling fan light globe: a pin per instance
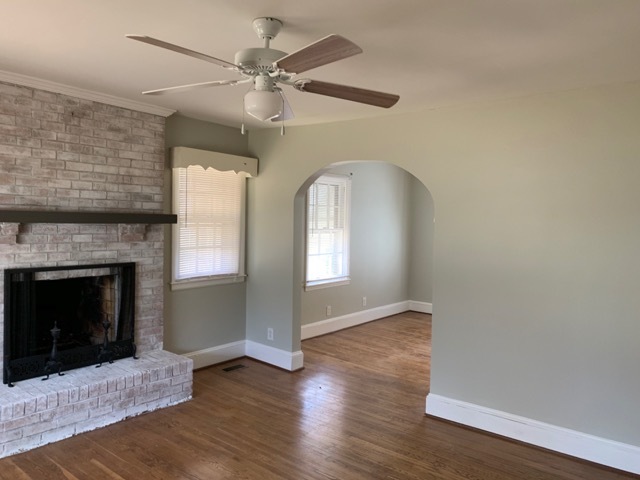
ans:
(263, 104)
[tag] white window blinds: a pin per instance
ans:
(328, 231)
(209, 236)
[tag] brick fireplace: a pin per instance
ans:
(69, 156)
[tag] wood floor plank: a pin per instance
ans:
(356, 411)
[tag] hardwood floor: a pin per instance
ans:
(355, 412)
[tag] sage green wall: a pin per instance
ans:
(201, 318)
(421, 243)
(382, 209)
(535, 251)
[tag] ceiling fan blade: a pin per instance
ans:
(194, 86)
(287, 112)
(326, 50)
(184, 51)
(360, 95)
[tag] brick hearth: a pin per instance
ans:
(34, 413)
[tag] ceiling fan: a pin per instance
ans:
(266, 68)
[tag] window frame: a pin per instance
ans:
(344, 180)
(206, 280)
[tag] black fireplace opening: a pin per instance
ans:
(61, 318)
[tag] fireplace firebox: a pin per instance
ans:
(60, 318)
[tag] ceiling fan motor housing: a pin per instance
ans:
(260, 59)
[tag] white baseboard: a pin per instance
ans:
(218, 354)
(422, 307)
(294, 361)
(246, 348)
(280, 358)
(351, 320)
(571, 442)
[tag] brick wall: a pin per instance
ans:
(63, 153)
(66, 153)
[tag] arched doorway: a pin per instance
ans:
(391, 250)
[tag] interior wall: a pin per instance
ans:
(201, 318)
(535, 251)
(421, 275)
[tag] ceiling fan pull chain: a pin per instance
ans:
(282, 127)
(242, 130)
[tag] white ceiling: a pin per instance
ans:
(431, 52)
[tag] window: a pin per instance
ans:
(328, 202)
(208, 240)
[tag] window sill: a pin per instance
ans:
(206, 282)
(317, 285)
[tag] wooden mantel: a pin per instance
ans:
(57, 216)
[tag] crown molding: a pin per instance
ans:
(49, 86)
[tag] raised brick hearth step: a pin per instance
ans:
(34, 413)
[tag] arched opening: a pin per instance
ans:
(391, 260)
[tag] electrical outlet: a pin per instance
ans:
(269, 333)
(328, 310)
(364, 301)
